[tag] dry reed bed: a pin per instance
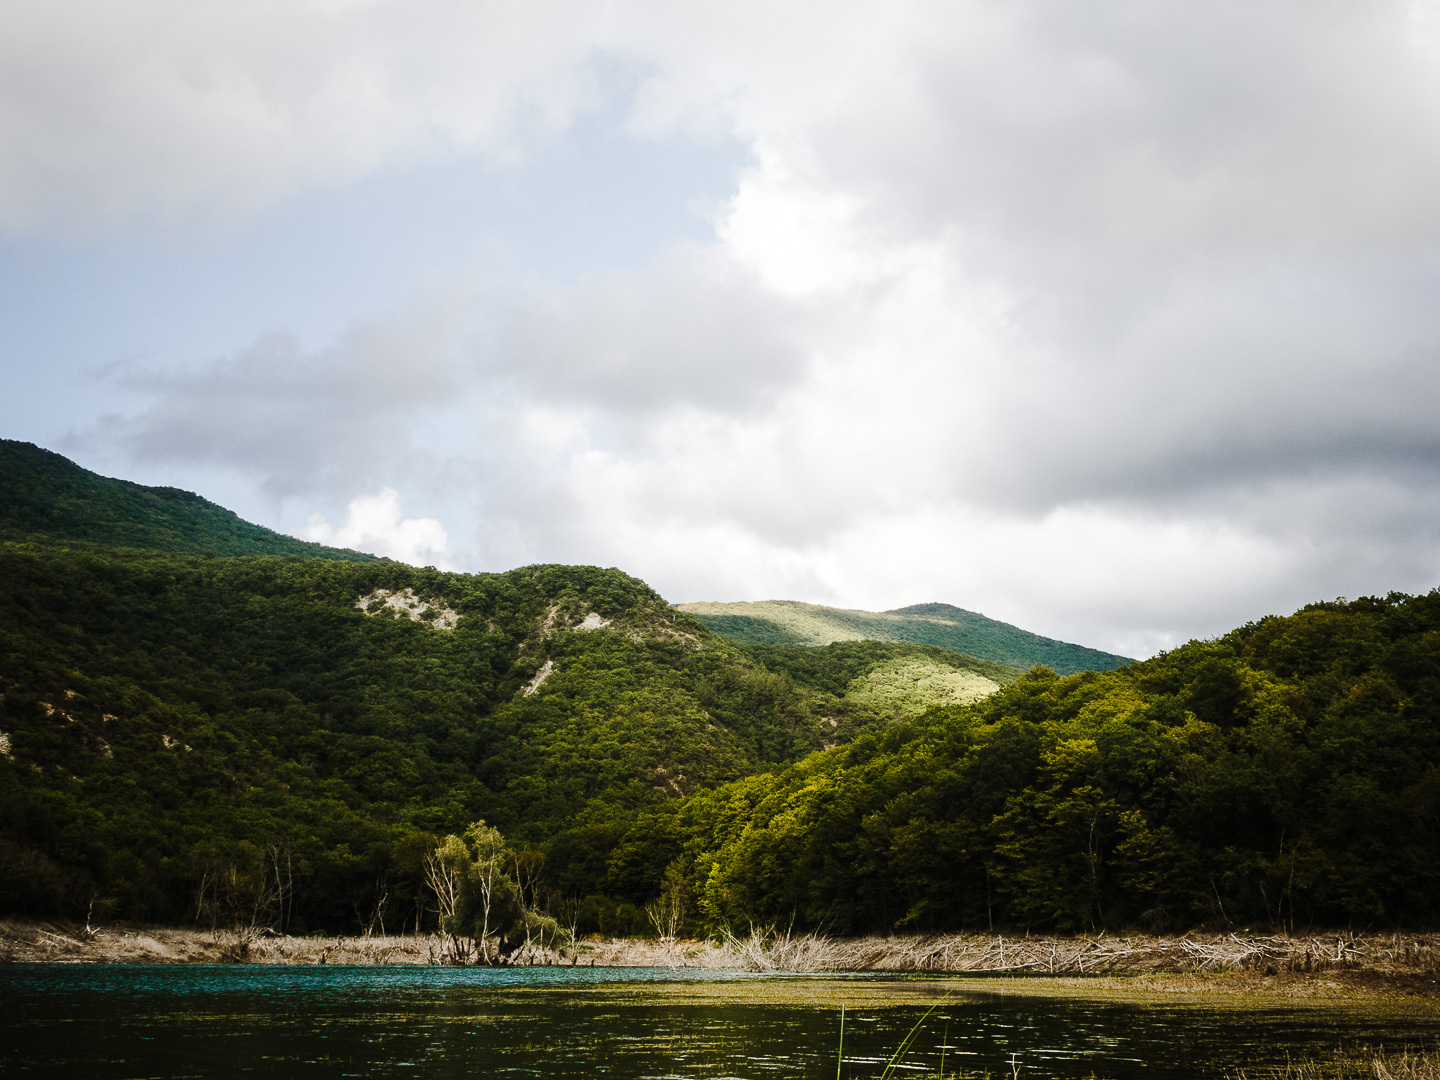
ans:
(1407, 1065)
(1268, 954)
(1133, 955)
(25, 941)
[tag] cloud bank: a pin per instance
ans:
(1114, 321)
(375, 523)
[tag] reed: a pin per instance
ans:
(1408, 1064)
(763, 949)
(767, 950)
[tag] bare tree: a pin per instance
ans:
(527, 867)
(444, 868)
(668, 911)
(280, 866)
(489, 871)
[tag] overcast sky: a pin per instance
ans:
(1118, 321)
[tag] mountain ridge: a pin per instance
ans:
(46, 497)
(794, 622)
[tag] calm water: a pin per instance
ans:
(143, 1021)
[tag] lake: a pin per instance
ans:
(200, 1021)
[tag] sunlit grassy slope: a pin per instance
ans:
(910, 686)
(789, 622)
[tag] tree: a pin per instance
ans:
(488, 877)
(480, 907)
(445, 868)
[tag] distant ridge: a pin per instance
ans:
(46, 497)
(789, 622)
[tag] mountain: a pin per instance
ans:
(788, 622)
(168, 717)
(181, 695)
(188, 736)
(1285, 775)
(47, 497)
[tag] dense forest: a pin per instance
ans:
(183, 734)
(1285, 775)
(169, 718)
(163, 713)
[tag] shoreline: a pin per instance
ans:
(1309, 965)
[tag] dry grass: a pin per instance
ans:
(910, 685)
(23, 941)
(1192, 963)
(1407, 1065)
(1129, 955)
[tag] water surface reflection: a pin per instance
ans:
(150, 1021)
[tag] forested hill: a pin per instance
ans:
(181, 730)
(167, 718)
(1286, 775)
(171, 711)
(788, 622)
(161, 712)
(47, 497)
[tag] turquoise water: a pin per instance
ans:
(153, 1021)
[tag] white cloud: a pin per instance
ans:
(172, 115)
(1117, 321)
(373, 523)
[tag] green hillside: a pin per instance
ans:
(1286, 775)
(163, 714)
(788, 622)
(170, 716)
(47, 497)
(188, 736)
(870, 679)
(830, 669)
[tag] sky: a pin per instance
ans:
(1118, 321)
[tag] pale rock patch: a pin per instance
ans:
(540, 676)
(554, 621)
(432, 614)
(5, 744)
